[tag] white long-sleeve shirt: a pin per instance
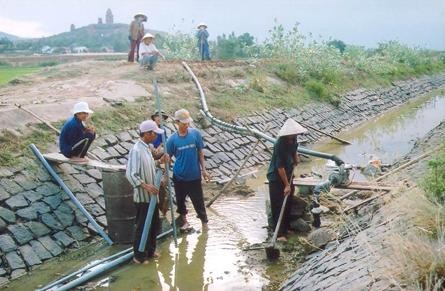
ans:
(140, 168)
(149, 49)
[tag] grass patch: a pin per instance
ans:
(416, 253)
(7, 74)
(13, 147)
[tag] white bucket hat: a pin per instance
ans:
(81, 107)
(182, 115)
(148, 35)
(150, 125)
(291, 127)
(202, 24)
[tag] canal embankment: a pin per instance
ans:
(38, 222)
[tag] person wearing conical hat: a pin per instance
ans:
(203, 45)
(135, 34)
(283, 161)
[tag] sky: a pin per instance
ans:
(417, 23)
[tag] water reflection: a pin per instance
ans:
(188, 267)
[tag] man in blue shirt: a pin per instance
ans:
(186, 145)
(76, 138)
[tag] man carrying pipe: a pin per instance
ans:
(282, 163)
(141, 174)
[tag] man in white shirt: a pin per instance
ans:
(148, 53)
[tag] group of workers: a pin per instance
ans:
(186, 146)
(143, 48)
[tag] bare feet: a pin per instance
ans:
(282, 238)
(205, 227)
(79, 160)
(136, 261)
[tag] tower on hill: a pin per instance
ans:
(109, 17)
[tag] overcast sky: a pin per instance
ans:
(362, 22)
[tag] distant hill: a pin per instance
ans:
(8, 36)
(95, 37)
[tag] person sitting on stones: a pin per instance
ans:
(75, 137)
(282, 163)
(148, 53)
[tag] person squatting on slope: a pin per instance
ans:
(75, 137)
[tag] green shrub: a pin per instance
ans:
(288, 72)
(434, 182)
(316, 89)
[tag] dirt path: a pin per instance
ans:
(52, 92)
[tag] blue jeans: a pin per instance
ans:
(204, 51)
(149, 61)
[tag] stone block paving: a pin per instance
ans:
(38, 221)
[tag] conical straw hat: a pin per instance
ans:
(291, 127)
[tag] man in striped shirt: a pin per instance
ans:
(141, 175)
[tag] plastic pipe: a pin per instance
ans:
(167, 165)
(128, 254)
(244, 130)
(150, 212)
(70, 194)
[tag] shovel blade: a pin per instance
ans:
(272, 253)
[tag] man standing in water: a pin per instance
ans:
(186, 145)
(141, 175)
(283, 161)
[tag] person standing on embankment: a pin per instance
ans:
(135, 34)
(282, 163)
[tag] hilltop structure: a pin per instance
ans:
(109, 18)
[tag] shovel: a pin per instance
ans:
(273, 253)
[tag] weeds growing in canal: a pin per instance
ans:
(416, 252)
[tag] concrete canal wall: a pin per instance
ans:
(39, 222)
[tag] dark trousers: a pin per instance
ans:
(134, 47)
(204, 52)
(194, 190)
(276, 195)
(80, 149)
(150, 246)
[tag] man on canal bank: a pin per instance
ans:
(141, 175)
(283, 161)
(76, 137)
(186, 145)
(135, 34)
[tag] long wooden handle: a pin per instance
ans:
(277, 227)
(38, 117)
(325, 133)
(275, 233)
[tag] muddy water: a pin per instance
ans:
(215, 260)
(387, 138)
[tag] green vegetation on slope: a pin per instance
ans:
(7, 74)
